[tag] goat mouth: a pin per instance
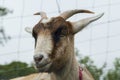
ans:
(44, 68)
(44, 65)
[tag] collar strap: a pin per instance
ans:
(80, 73)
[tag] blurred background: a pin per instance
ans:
(97, 46)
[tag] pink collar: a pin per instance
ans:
(80, 73)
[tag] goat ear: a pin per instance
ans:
(79, 25)
(28, 29)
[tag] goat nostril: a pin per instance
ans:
(38, 58)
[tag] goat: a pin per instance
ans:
(54, 45)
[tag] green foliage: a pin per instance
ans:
(15, 69)
(3, 12)
(114, 74)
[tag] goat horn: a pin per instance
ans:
(79, 25)
(43, 14)
(70, 13)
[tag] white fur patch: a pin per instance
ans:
(43, 45)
